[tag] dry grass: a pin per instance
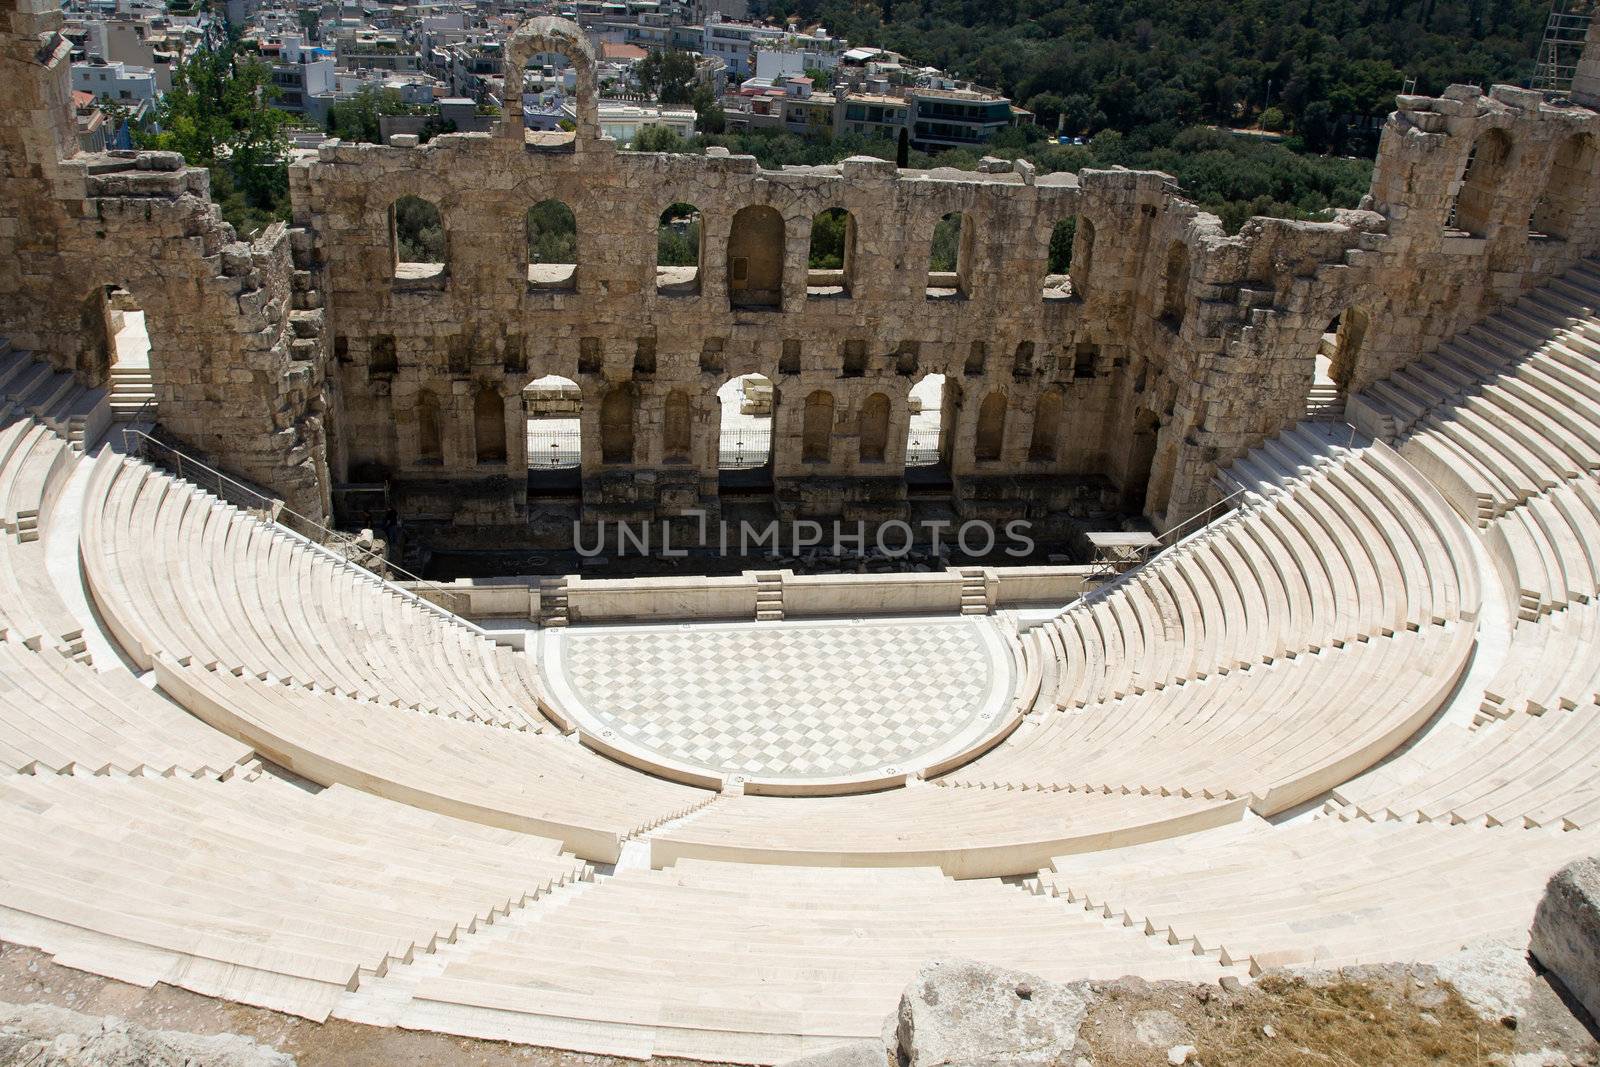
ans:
(1289, 1022)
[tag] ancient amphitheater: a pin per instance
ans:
(1351, 716)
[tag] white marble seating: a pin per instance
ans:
(1341, 544)
(251, 890)
(1509, 408)
(536, 783)
(58, 715)
(1278, 734)
(968, 833)
(1324, 892)
(174, 570)
(1526, 771)
(753, 964)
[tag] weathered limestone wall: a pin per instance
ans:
(236, 355)
(307, 355)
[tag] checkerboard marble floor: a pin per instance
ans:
(787, 700)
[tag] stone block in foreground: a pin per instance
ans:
(1566, 930)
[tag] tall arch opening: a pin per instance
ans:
(927, 429)
(1175, 285)
(430, 429)
(489, 426)
(830, 263)
(745, 438)
(1337, 355)
(1141, 455)
(680, 242)
(989, 441)
(755, 258)
(1044, 445)
(872, 434)
(114, 348)
(417, 239)
(1058, 260)
(553, 411)
(1567, 188)
(1481, 183)
(950, 254)
(816, 432)
(552, 234)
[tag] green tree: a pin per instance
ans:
(659, 139)
(218, 115)
(552, 233)
(357, 119)
(821, 80)
(708, 113)
(418, 230)
(678, 238)
(667, 75)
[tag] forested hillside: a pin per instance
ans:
(1111, 64)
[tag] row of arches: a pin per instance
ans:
(554, 426)
(1559, 205)
(756, 251)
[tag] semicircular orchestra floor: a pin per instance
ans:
(793, 700)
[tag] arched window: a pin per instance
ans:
(677, 426)
(679, 243)
(1175, 288)
(552, 232)
(489, 425)
(430, 439)
(1058, 261)
(745, 438)
(990, 440)
(755, 258)
(830, 267)
(816, 435)
(554, 411)
(1567, 188)
(616, 426)
(929, 422)
(1083, 249)
(950, 256)
(113, 334)
(1481, 183)
(873, 434)
(1042, 447)
(417, 239)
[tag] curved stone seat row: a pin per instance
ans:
(967, 833)
(752, 964)
(1278, 733)
(1324, 892)
(251, 890)
(1551, 663)
(1530, 770)
(1509, 408)
(536, 783)
(176, 571)
(1343, 544)
(35, 463)
(1550, 545)
(58, 716)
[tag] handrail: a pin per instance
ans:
(137, 442)
(1167, 535)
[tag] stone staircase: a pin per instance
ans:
(769, 596)
(132, 391)
(1324, 403)
(553, 602)
(31, 386)
(974, 592)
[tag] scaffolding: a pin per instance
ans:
(1564, 33)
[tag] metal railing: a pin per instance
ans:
(337, 545)
(740, 449)
(550, 449)
(922, 449)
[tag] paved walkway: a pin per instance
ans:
(787, 700)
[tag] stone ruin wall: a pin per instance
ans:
(236, 356)
(1179, 348)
